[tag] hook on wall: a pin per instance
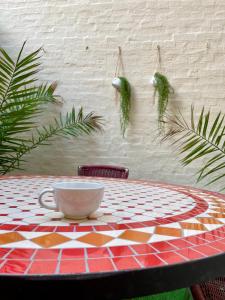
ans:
(120, 50)
(159, 59)
(119, 63)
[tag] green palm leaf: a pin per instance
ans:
(204, 138)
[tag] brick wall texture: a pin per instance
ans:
(81, 39)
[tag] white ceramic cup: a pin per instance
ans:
(76, 200)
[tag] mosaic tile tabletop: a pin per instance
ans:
(143, 225)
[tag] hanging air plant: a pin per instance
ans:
(123, 87)
(164, 90)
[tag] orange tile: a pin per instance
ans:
(136, 236)
(209, 220)
(193, 226)
(10, 237)
(168, 231)
(95, 239)
(217, 215)
(50, 240)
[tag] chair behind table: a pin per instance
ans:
(103, 171)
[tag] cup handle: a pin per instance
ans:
(41, 202)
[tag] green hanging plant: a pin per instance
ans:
(124, 88)
(164, 90)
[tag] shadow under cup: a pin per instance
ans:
(76, 200)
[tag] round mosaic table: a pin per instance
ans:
(151, 237)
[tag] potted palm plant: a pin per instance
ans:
(21, 100)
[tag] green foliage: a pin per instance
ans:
(204, 138)
(163, 89)
(125, 103)
(21, 101)
(182, 294)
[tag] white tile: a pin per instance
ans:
(192, 232)
(159, 238)
(31, 235)
(54, 223)
(72, 244)
(212, 226)
(171, 225)
(139, 218)
(120, 242)
(109, 219)
(4, 219)
(191, 220)
(146, 229)
(73, 235)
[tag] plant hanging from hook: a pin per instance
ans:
(122, 85)
(164, 90)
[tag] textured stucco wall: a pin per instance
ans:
(191, 35)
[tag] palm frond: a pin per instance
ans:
(204, 138)
(21, 100)
(73, 124)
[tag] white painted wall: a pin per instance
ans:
(191, 35)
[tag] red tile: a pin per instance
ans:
(171, 257)
(15, 266)
(102, 227)
(143, 249)
(163, 246)
(8, 226)
(47, 254)
(72, 266)
(206, 249)
(209, 237)
(26, 227)
(218, 233)
(3, 252)
(45, 228)
(102, 265)
(65, 228)
(72, 253)
(21, 253)
(97, 252)
(150, 260)
(43, 267)
(222, 241)
(119, 226)
(84, 228)
(190, 253)
(150, 223)
(135, 225)
(124, 263)
(195, 240)
(121, 251)
(180, 243)
(218, 245)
